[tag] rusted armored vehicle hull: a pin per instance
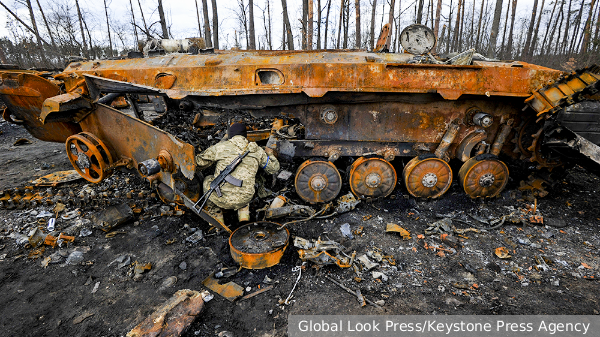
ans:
(325, 105)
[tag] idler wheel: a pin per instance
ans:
(258, 245)
(427, 177)
(318, 181)
(89, 156)
(483, 176)
(372, 177)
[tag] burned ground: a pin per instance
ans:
(94, 297)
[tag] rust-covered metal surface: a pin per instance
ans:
(370, 108)
(315, 73)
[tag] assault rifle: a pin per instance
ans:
(224, 176)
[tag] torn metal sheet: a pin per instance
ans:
(112, 217)
(173, 318)
(230, 290)
(57, 178)
(392, 227)
(323, 252)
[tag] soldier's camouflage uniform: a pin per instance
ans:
(224, 153)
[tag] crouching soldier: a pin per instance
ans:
(224, 153)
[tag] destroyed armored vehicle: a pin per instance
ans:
(354, 111)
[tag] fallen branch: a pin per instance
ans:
(354, 293)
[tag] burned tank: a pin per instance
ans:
(365, 113)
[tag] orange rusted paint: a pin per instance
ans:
(253, 260)
(230, 290)
(372, 177)
(427, 177)
(483, 176)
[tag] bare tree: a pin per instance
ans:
(587, 30)
(420, 11)
(198, 18)
(536, 31)
(110, 50)
(530, 30)
(137, 40)
(346, 24)
(48, 27)
(36, 33)
(340, 24)
(566, 31)
(494, 33)
(512, 26)
(207, 35)
(372, 32)
(288, 28)
(502, 46)
(319, 24)
(252, 35)
(163, 21)
(85, 47)
(304, 23)
(438, 13)
(216, 24)
(550, 20)
(146, 31)
(270, 36)
(309, 26)
(325, 42)
(357, 22)
(479, 23)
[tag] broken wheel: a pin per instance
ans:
(318, 181)
(483, 176)
(427, 177)
(372, 177)
(89, 156)
(258, 245)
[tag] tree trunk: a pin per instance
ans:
(85, 47)
(494, 33)
(512, 26)
(420, 11)
(137, 39)
(143, 21)
(251, 31)
(325, 42)
(462, 24)
(319, 24)
(596, 41)
(269, 32)
(163, 21)
(438, 13)
(576, 29)
(48, 28)
(530, 30)
(561, 13)
(346, 24)
(215, 17)
(286, 21)
(391, 16)
(357, 22)
(398, 25)
(207, 34)
(457, 25)
(309, 31)
(37, 34)
(198, 17)
(304, 23)
(566, 31)
(110, 51)
(372, 31)
(479, 23)
(505, 28)
(340, 25)
(537, 30)
(550, 20)
(587, 31)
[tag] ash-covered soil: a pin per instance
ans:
(551, 269)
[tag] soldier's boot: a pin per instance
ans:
(244, 214)
(215, 211)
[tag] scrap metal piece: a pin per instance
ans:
(112, 217)
(230, 290)
(57, 178)
(292, 210)
(173, 318)
(417, 39)
(318, 252)
(89, 156)
(392, 227)
(258, 245)
(346, 203)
